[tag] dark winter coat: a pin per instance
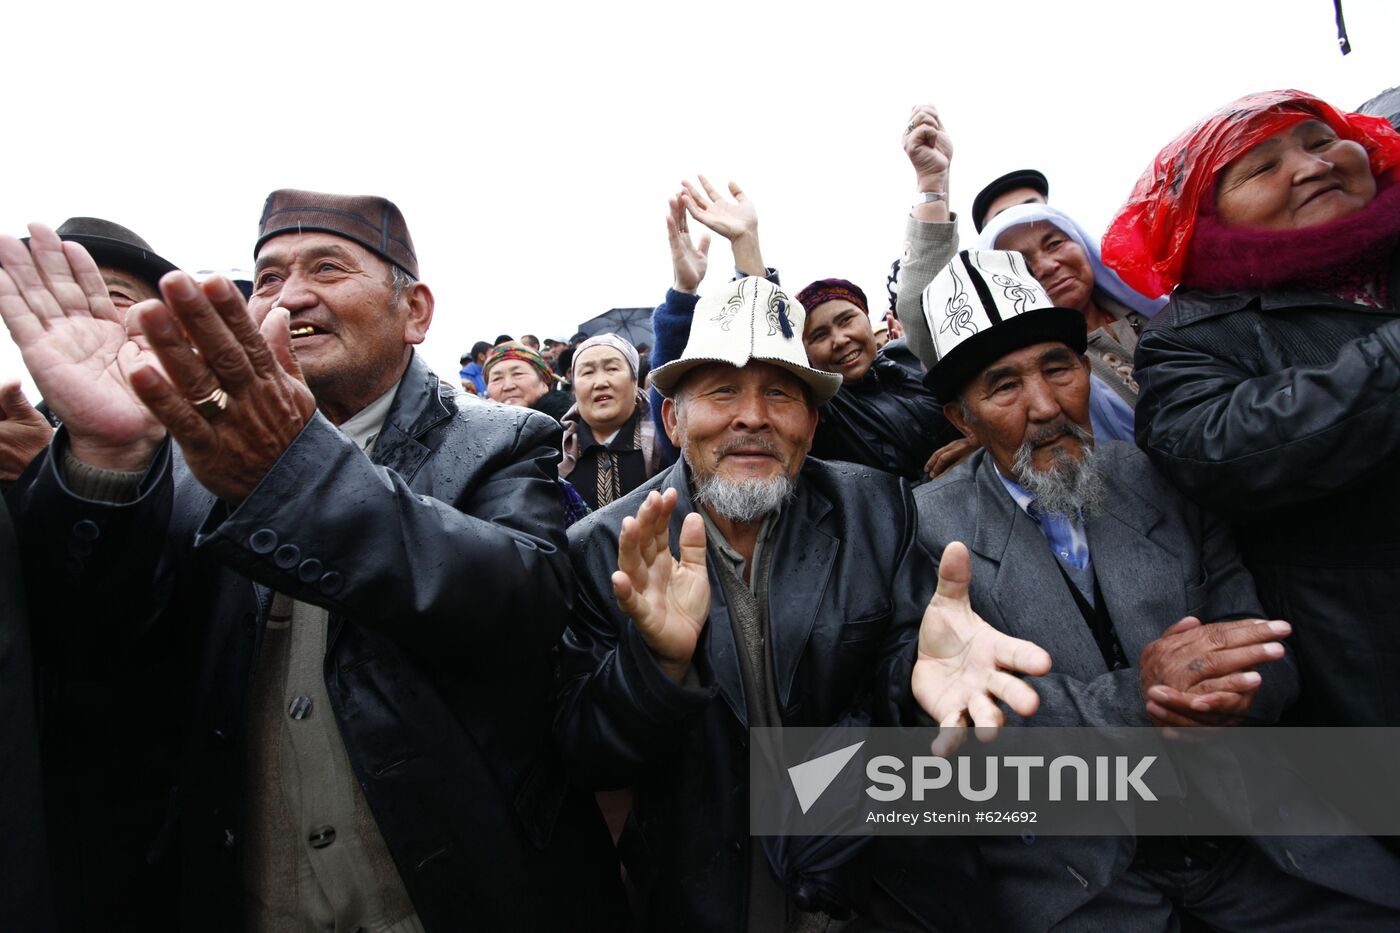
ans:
(844, 613)
(442, 563)
(1282, 412)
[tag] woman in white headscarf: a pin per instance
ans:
(1065, 260)
(609, 437)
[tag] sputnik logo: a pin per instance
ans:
(811, 778)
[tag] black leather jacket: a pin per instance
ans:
(844, 613)
(888, 421)
(1282, 412)
(442, 563)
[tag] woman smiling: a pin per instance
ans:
(1065, 260)
(1271, 382)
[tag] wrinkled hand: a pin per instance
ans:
(206, 339)
(949, 456)
(24, 432)
(668, 599)
(688, 262)
(964, 665)
(1202, 675)
(75, 344)
(929, 147)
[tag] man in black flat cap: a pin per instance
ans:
(353, 585)
(1023, 186)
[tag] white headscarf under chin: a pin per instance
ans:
(1104, 277)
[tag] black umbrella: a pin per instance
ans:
(632, 323)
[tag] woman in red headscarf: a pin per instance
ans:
(1270, 384)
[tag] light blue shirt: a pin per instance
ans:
(1068, 540)
(1109, 416)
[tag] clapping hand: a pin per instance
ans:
(24, 431)
(76, 346)
(734, 219)
(688, 261)
(1204, 675)
(233, 397)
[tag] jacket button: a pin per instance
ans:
(309, 571)
(263, 541)
(1028, 838)
(86, 530)
(331, 582)
(300, 708)
(321, 837)
(287, 556)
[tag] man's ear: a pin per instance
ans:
(954, 413)
(420, 313)
(671, 421)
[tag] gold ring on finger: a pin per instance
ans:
(212, 404)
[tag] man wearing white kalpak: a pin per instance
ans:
(1142, 602)
(751, 585)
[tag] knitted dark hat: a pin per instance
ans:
(1021, 178)
(824, 290)
(113, 245)
(369, 220)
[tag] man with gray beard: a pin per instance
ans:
(794, 598)
(1143, 604)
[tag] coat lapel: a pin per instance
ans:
(1030, 595)
(418, 407)
(718, 644)
(1141, 582)
(803, 555)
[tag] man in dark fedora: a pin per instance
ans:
(355, 586)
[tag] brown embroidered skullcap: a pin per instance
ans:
(371, 221)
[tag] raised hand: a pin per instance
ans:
(688, 261)
(1203, 675)
(75, 344)
(928, 146)
(736, 220)
(668, 599)
(232, 397)
(731, 219)
(24, 432)
(964, 665)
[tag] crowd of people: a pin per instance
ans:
(296, 634)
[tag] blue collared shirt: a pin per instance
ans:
(1068, 540)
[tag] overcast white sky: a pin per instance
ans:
(532, 146)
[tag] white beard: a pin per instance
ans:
(743, 501)
(1069, 487)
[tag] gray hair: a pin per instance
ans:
(399, 283)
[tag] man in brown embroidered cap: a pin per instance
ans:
(364, 583)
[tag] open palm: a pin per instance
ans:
(964, 665)
(73, 339)
(667, 598)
